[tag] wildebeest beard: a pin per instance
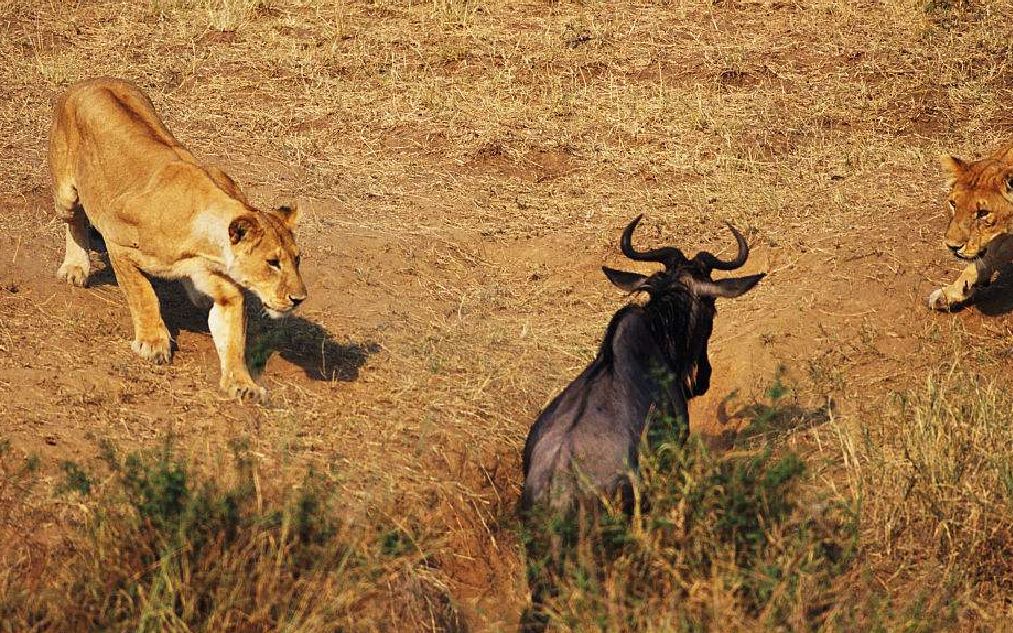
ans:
(680, 323)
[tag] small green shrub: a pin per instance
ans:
(75, 479)
(17, 479)
(160, 547)
(724, 542)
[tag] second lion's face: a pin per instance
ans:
(980, 204)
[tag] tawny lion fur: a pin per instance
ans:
(116, 166)
(980, 205)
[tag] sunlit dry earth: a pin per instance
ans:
(465, 168)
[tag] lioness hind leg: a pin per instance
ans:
(75, 267)
(151, 338)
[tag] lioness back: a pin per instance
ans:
(113, 105)
(107, 142)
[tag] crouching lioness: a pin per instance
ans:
(114, 164)
(980, 204)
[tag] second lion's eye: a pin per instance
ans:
(274, 263)
(981, 214)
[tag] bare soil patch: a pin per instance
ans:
(465, 169)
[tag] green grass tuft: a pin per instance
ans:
(724, 542)
(161, 547)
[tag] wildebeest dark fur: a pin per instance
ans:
(652, 357)
(585, 444)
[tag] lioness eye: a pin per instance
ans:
(274, 263)
(981, 214)
(952, 205)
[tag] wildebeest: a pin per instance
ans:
(585, 444)
(652, 357)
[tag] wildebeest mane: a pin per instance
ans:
(672, 316)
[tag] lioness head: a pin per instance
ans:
(265, 258)
(980, 204)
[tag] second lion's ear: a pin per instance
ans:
(241, 228)
(289, 214)
(953, 164)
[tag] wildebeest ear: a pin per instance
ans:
(728, 288)
(630, 282)
(288, 213)
(954, 165)
(241, 228)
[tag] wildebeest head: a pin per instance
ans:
(681, 273)
(680, 313)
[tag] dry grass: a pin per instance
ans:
(905, 530)
(466, 167)
(152, 546)
(937, 492)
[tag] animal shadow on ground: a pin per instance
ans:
(996, 299)
(297, 340)
(306, 344)
(773, 413)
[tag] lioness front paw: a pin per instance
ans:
(245, 390)
(73, 274)
(945, 299)
(158, 350)
(937, 300)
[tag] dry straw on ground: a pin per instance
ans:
(466, 168)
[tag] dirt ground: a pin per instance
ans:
(464, 169)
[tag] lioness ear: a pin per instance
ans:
(952, 164)
(241, 227)
(289, 214)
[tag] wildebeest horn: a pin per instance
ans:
(712, 262)
(662, 255)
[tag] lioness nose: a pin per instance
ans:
(296, 301)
